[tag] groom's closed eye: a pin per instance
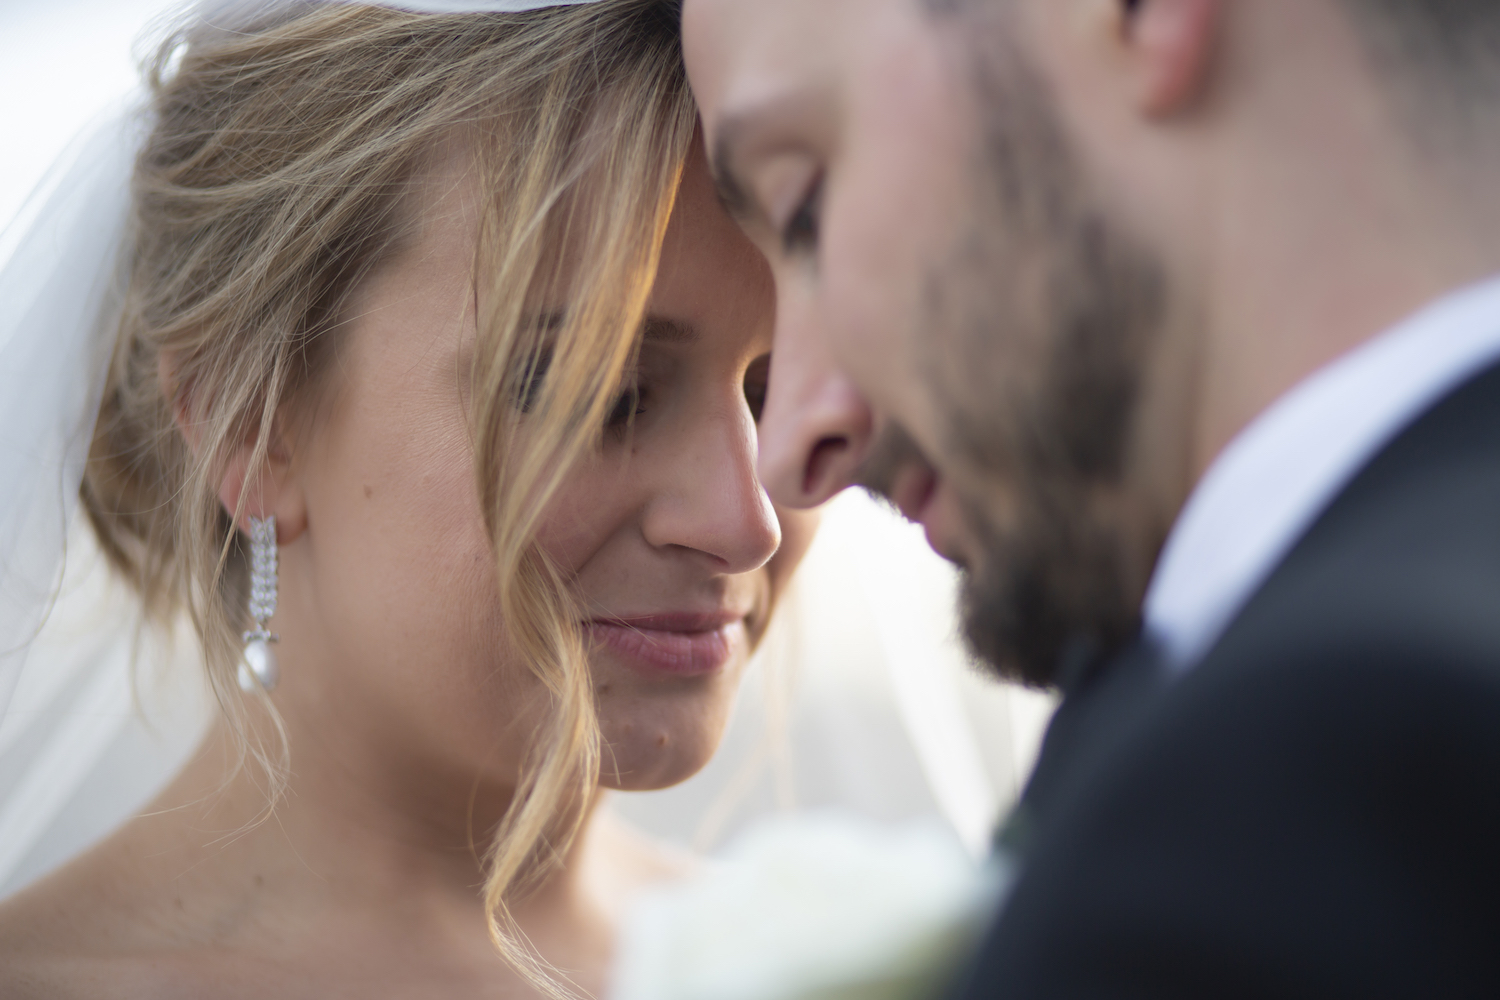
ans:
(800, 234)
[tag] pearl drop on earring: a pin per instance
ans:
(258, 664)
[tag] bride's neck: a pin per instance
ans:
(349, 832)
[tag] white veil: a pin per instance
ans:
(59, 288)
(884, 716)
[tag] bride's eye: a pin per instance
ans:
(757, 380)
(628, 406)
(526, 388)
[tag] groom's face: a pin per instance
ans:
(959, 326)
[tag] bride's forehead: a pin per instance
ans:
(443, 199)
(433, 232)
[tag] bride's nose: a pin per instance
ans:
(707, 497)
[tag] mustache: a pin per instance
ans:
(892, 450)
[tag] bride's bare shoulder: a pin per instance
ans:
(76, 933)
(44, 944)
(31, 947)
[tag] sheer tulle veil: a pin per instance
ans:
(931, 736)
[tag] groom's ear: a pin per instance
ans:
(271, 489)
(1167, 48)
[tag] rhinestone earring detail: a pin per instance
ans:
(258, 665)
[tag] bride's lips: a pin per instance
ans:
(686, 644)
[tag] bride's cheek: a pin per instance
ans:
(578, 520)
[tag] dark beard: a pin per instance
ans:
(1050, 596)
(1045, 316)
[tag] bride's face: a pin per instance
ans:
(392, 644)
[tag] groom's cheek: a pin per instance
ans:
(897, 198)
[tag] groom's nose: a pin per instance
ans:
(815, 429)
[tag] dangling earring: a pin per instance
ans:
(258, 665)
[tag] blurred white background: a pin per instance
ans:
(62, 62)
(863, 699)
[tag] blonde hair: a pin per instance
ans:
(269, 187)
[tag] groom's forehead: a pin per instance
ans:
(803, 59)
(734, 44)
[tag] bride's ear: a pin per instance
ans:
(272, 490)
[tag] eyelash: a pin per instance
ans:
(629, 405)
(800, 235)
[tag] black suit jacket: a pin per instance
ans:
(1314, 809)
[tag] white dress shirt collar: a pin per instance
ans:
(1268, 486)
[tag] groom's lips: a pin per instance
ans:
(919, 494)
(912, 489)
(685, 644)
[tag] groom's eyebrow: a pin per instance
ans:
(794, 120)
(732, 191)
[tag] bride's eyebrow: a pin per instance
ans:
(656, 329)
(659, 330)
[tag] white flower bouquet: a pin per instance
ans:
(820, 907)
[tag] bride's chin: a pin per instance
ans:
(665, 774)
(652, 743)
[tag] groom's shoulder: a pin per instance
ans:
(1373, 651)
(1400, 574)
(1377, 639)
(1311, 809)
(1306, 816)
(1317, 824)
(1373, 648)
